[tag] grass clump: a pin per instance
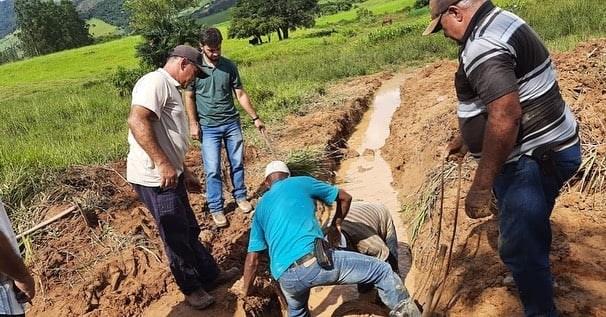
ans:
(317, 163)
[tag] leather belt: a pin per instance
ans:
(303, 260)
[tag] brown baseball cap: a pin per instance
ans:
(437, 8)
(191, 54)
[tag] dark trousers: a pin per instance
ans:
(526, 193)
(190, 262)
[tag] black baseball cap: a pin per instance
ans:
(190, 53)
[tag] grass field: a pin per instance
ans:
(98, 28)
(58, 110)
(217, 18)
(377, 7)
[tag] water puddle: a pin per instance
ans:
(366, 177)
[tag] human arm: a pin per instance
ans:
(192, 114)
(12, 265)
(244, 100)
(456, 149)
(500, 135)
(343, 204)
(495, 83)
(140, 123)
(250, 271)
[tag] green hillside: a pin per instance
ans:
(98, 28)
(217, 18)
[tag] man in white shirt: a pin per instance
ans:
(158, 142)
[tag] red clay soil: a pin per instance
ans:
(113, 263)
(475, 286)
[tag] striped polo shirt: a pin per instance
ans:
(370, 230)
(501, 54)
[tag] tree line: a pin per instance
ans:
(45, 26)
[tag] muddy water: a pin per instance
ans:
(367, 177)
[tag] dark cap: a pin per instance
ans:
(437, 8)
(191, 54)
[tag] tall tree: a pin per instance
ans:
(260, 17)
(46, 27)
(295, 14)
(162, 27)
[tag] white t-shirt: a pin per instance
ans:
(158, 92)
(8, 301)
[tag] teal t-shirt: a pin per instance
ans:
(285, 221)
(215, 93)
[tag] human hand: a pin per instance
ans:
(455, 150)
(192, 182)
(259, 124)
(28, 287)
(237, 288)
(194, 130)
(478, 203)
(168, 175)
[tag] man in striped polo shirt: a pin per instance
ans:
(514, 120)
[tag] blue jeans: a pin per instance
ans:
(349, 268)
(229, 134)
(526, 191)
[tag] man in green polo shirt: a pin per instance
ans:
(214, 120)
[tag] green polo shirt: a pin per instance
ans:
(215, 93)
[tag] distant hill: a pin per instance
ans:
(7, 18)
(213, 7)
(109, 11)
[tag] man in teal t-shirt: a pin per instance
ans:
(214, 120)
(285, 224)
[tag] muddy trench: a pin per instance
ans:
(360, 135)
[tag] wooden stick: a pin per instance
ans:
(456, 218)
(442, 284)
(441, 204)
(47, 222)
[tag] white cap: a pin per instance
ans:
(276, 166)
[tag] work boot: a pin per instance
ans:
(406, 308)
(199, 299)
(219, 219)
(227, 275)
(245, 206)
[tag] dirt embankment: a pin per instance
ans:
(475, 286)
(115, 265)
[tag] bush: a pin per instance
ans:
(10, 54)
(160, 39)
(332, 7)
(421, 3)
(124, 79)
(364, 15)
(388, 34)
